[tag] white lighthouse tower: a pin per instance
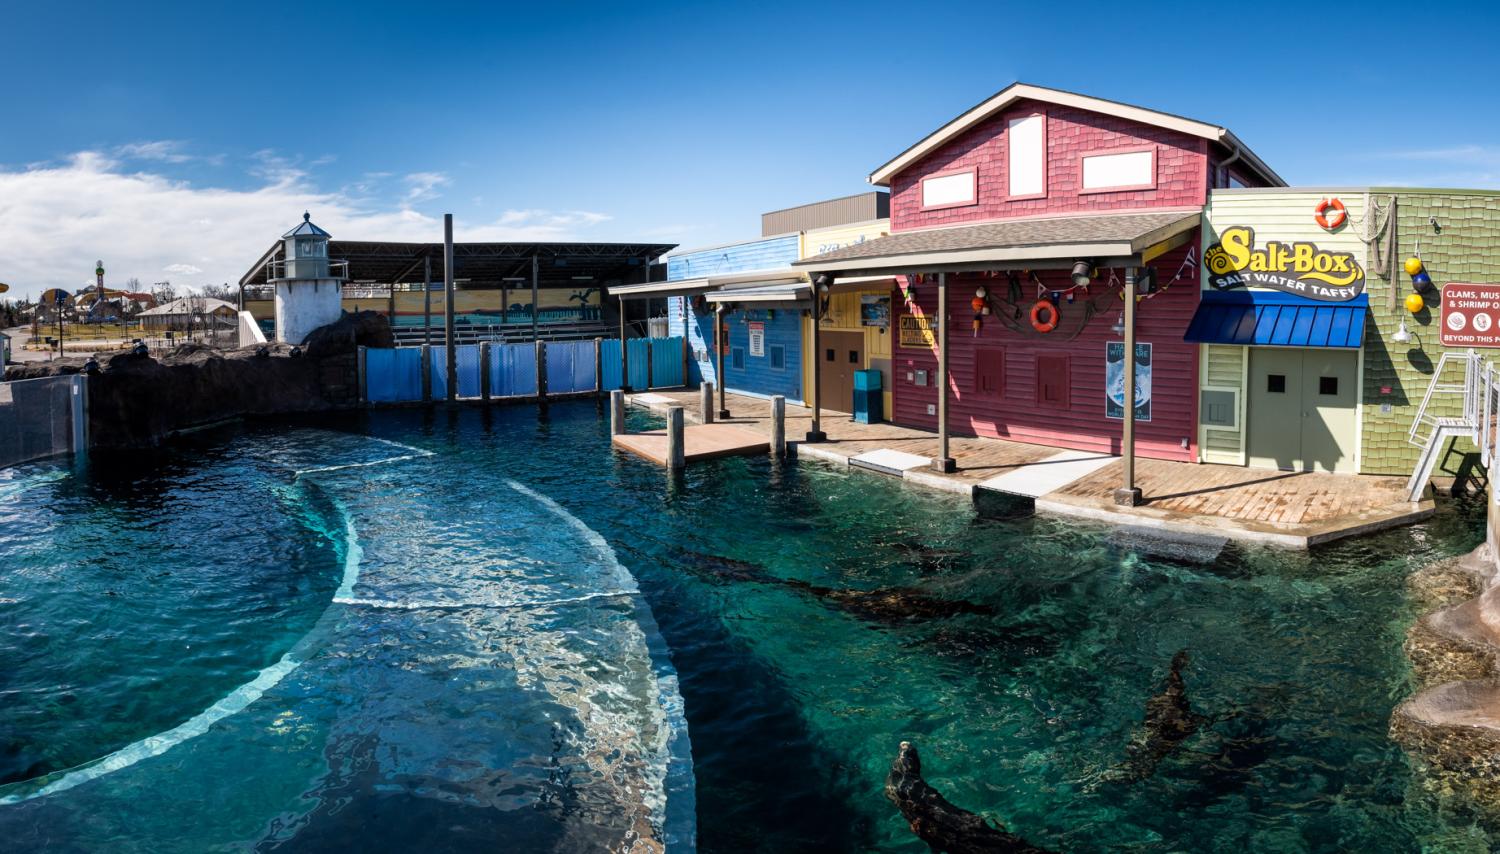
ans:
(308, 289)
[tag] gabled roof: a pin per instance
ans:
(188, 305)
(306, 229)
(1025, 91)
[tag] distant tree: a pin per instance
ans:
(163, 292)
(133, 285)
(223, 292)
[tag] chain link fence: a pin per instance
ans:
(41, 418)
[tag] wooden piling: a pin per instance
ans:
(676, 439)
(706, 401)
(616, 412)
(361, 380)
(778, 425)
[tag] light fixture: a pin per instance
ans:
(1401, 336)
(1082, 272)
(1119, 327)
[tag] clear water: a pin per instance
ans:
(457, 660)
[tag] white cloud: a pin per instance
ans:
(163, 151)
(56, 219)
(422, 186)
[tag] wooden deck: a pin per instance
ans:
(1295, 509)
(700, 442)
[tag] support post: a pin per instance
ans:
(816, 434)
(778, 425)
(426, 373)
(504, 307)
(427, 299)
(624, 351)
(676, 439)
(79, 388)
(535, 298)
(944, 462)
(616, 412)
(362, 378)
(448, 307)
(598, 364)
(719, 345)
(706, 402)
(541, 370)
(484, 371)
(650, 347)
(1128, 495)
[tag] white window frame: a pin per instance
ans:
(1012, 151)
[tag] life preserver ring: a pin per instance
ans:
(1037, 323)
(1324, 219)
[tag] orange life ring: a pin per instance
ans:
(1330, 223)
(1036, 310)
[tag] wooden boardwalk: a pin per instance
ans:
(1296, 509)
(700, 442)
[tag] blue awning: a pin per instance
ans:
(1274, 319)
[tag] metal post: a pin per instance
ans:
(535, 299)
(778, 425)
(426, 373)
(1128, 495)
(944, 462)
(427, 300)
(598, 364)
(719, 343)
(484, 371)
(706, 402)
(624, 351)
(650, 348)
(79, 386)
(448, 306)
(816, 434)
(362, 380)
(504, 307)
(676, 439)
(616, 412)
(541, 370)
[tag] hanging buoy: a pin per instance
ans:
(1414, 303)
(1037, 310)
(1413, 266)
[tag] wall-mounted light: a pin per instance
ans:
(1401, 336)
(1119, 327)
(1082, 272)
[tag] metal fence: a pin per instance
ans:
(42, 418)
(495, 370)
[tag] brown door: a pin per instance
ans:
(843, 354)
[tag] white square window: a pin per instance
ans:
(1026, 140)
(946, 191)
(1123, 170)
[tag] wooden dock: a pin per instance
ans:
(1291, 509)
(701, 442)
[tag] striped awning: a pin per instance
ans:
(1274, 319)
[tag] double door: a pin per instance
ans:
(842, 354)
(1301, 409)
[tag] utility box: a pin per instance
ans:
(869, 402)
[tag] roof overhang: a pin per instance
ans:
(1025, 91)
(906, 255)
(704, 284)
(783, 292)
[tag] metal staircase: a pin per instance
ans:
(1478, 394)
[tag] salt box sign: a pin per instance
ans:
(1470, 315)
(1299, 268)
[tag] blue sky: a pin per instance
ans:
(176, 141)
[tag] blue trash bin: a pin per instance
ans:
(869, 403)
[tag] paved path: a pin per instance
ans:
(1295, 509)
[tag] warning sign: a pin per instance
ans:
(757, 338)
(1470, 315)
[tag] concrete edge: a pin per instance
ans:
(1099, 514)
(935, 481)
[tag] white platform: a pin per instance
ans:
(1053, 473)
(648, 398)
(889, 461)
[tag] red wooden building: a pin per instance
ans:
(1030, 210)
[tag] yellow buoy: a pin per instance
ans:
(1413, 266)
(1414, 303)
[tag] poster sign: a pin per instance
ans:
(1114, 380)
(875, 310)
(757, 338)
(1295, 268)
(918, 330)
(1470, 315)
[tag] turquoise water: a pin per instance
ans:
(479, 628)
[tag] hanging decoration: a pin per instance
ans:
(1330, 214)
(1421, 282)
(981, 307)
(1414, 303)
(1044, 316)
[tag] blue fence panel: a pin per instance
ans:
(393, 375)
(438, 369)
(640, 369)
(609, 355)
(512, 370)
(585, 366)
(666, 362)
(570, 367)
(466, 357)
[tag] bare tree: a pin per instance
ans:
(163, 292)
